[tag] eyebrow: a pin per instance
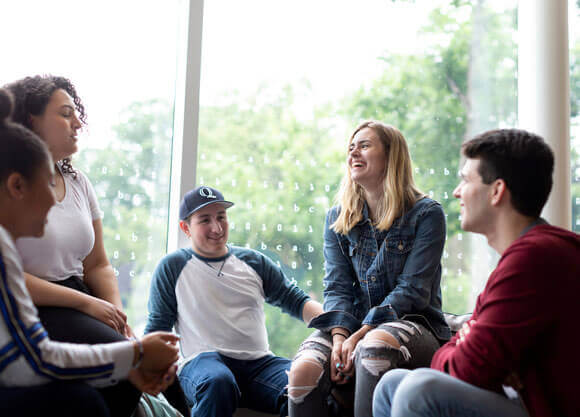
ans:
(364, 140)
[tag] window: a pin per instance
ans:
(125, 74)
(284, 84)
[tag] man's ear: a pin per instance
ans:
(16, 185)
(499, 192)
(184, 226)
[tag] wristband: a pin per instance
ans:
(140, 357)
(339, 333)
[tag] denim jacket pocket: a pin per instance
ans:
(397, 250)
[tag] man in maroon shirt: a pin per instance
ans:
(517, 355)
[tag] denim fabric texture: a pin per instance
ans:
(373, 277)
(430, 393)
(216, 385)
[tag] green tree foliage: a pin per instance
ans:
(131, 179)
(282, 172)
(437, 102)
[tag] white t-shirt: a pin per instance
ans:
(222, 313)
(68, 236)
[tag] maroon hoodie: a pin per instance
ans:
(527, 322)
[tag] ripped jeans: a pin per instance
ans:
(373, 358)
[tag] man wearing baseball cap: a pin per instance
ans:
(213, 294)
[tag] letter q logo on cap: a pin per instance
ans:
(206, 192)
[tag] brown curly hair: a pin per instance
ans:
(31, 96)
(21, 149)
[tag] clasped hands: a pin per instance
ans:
(158, 367)
(342, 356)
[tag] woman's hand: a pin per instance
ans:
(106, 312)
(158, 364)
(347, 354)
(129, 332)
(338, 373)
(151, 382)
(349, 346)
(336, 363)
(160, 351)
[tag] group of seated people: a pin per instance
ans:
(381, 344)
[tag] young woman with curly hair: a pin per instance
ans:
(39, 376)
(68, 274)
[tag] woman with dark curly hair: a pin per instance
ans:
(39, 376)
(67, 271)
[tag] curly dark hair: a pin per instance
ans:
(31, 96)
(21, 150)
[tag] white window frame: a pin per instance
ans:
(186, 117)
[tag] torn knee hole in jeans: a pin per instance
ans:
(373, 361)
(377, 365)
(311, 374)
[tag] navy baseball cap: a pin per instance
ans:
(200, 197)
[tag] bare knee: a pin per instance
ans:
(379, 350)
(304, 372)
(304, 376)
(380, 338)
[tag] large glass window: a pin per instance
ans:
(283, 86)
(121, 56)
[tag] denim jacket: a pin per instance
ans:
(372, 283)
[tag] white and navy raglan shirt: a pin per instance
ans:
(217, 305)
(28, 357)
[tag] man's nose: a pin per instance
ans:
(216, 226)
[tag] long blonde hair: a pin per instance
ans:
(400, 191)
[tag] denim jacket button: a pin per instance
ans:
(400, 247)
(373, 278)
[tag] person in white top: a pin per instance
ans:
(68, 274)
(37, 374)
(72, 246)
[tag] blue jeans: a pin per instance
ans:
(215, 385)
(427, 392)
